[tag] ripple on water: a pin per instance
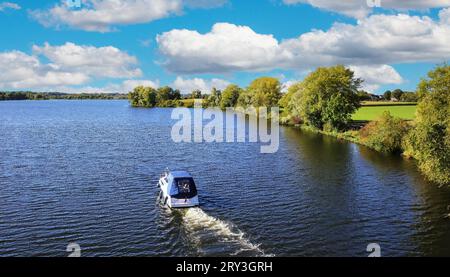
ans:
(86, 172)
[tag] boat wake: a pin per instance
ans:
(214, 237)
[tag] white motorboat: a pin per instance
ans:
(178, 189)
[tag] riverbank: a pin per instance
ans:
(354, 136)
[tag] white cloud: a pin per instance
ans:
(97, 61)
(103, 15)
(378, 39)
(188, 85)
(205, 4)
(129, 85)
(20, 70)
(287, 84)
(124, 87)
(353, 8)
(227, 47)
(444, 16)
(370, 45)
(376, 75)
(69, 64)
(362, 8)
(9, 5)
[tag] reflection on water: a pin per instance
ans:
(86, 172)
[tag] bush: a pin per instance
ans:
(385, 134)
(429, 141)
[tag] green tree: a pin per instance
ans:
(214, 98)
(265, 92)
(409, 96)
(363, 95)
(327, 98)
(176, 95)
(397, 94)
(163, 94)
(285, 100)
(196, 94)
(245, 99)
(387, 95)
(230, 96)
(142, 97)
(429, 141)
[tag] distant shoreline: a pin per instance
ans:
(28, 95)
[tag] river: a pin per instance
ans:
(85, 172)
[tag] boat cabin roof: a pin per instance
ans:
(180, 174)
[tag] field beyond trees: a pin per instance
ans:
(371, 111)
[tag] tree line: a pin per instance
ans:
(28, 95)
(326, 100)
(264, 91)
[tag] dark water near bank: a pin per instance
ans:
(86, 172)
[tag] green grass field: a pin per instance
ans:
(387, 103)
(367, 113)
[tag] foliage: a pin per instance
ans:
(387, 95)
(149, 97)
(384, 134)
(409, 96)
(213, 99)
(196, 94)
(364, 95)
(429, 142)
(397, 94)
(263, 92)
(20, 95)
(245, 99)
(285, 100)
(230, 96)
(327, 96)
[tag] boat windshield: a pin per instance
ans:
(186, 188)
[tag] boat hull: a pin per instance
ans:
(183, 203)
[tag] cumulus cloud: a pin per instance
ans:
(227, 47)
(188, 85)
(129, 85)
(287, 84)
(376, 75)
(123, 87)
(362, 8)
(9, 5)
(378, 39)
(103, 15)
(97, 61)
(205, 4)
(370, 45)
(69, 64)
(20, 70)
(444, 16)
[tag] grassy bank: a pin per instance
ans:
(371, 112)
(350, 135)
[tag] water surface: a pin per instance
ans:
(86, 172)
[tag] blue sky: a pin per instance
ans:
(109, 46)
